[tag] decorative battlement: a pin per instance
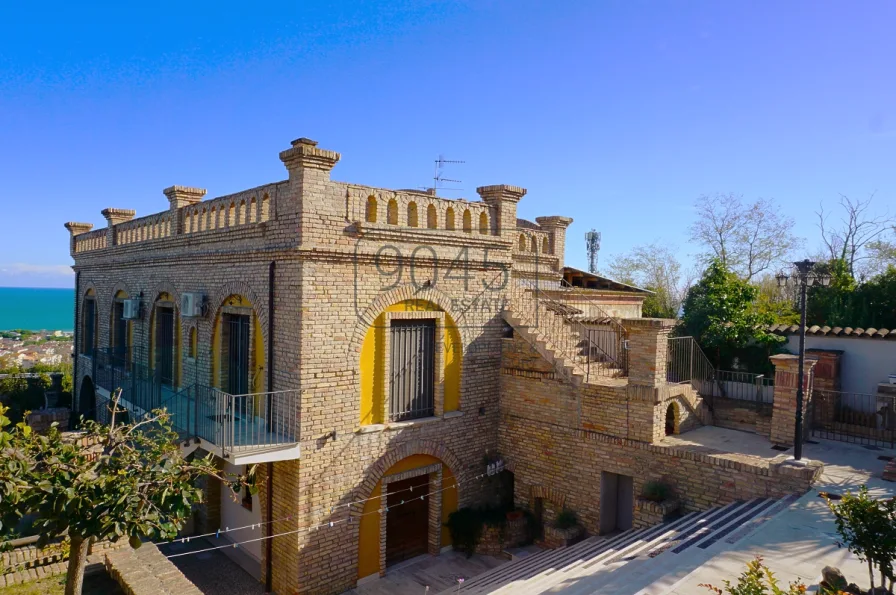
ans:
(487, 223)
(305, 154)
(182, 196)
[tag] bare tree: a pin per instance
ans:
(655, 267)
(859, 237)
(748, 238)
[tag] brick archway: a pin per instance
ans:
(430, 474)
(394, 296)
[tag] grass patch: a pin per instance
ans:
(98, 583)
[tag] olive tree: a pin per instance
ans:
(124, 480)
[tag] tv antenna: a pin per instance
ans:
(438, 174)
(592, 244)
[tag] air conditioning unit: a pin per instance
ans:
(192, 305)
(131, 310)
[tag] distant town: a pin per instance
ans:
(25, 349)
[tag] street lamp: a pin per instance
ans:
(805, 274)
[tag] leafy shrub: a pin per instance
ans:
(466, 525)
(757, 579)
(566, 520)
(656, 491)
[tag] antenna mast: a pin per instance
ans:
(592, 244)
(437, 176)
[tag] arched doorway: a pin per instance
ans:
(87, 399)
(671, 419)
(411, 503)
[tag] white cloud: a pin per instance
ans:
(21, 268)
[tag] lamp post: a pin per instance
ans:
(805, 274)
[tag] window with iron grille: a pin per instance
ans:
(89, 343)
(120, 346)
(412, 357)
(165, 347)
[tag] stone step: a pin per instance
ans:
(633, 561)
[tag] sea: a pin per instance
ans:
(36, 309)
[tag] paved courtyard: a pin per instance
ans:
(800, 541)
(428, 575)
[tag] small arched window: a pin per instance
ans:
(412, 214)
(671, 419)
(522, 242)
(449, 218)
(432, 218)
(370, 215)
(533, 247)
(468, 221)
(392, 213)
(483, 223)
(545, 246)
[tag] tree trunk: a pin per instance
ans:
(77, 560)
(870, 574)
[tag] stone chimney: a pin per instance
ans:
(503, 199)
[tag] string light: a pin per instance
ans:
(217, 533)
(312, 528)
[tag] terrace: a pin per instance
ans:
(243, 429)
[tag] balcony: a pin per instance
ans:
(242, 429)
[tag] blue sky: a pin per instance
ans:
(618, 114)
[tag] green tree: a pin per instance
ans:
(653, 267)
(719, 313)
(867, 527)
(133, 484)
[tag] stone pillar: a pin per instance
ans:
(113, 218)
(179, 197)
(784, 408)
(648, 347)
(503, 200)
(647, 390)
(309, 173)
(75, 229)
(556, 226)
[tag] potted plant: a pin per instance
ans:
(655, 504)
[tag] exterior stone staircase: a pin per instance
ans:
(626, 563)
(558, 337)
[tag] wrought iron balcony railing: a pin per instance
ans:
(231, 424)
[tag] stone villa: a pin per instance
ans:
(361, 344)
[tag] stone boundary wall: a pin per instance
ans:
(30, 563)
(571, 461)
(146, 571)
(746, 416)
(40, 421)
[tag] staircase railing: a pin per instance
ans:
(686, 363)
(592, 352)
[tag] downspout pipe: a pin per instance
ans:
(269, 542)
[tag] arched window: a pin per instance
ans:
(432, 218)
(522, 242)
(412, 214)
(370, 215)
(265, 207)
(449, 218)
(88, 324)
(468, 221)
(241, 214)
(120, 330)
(534, 245)
(392, 213)
(164, 358)
(483, 223)
(253, 210)
(237, 347)
(545, 246)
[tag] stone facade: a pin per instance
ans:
(323, 268)
(785, 406)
